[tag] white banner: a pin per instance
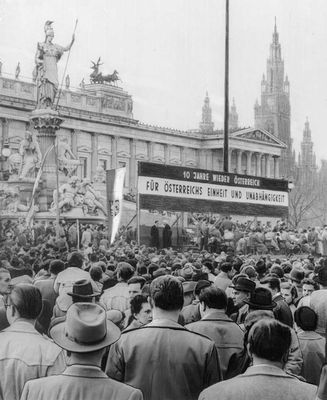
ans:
(207, 191)
(115, 187)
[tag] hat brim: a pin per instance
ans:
(58, 335)
(83, 296)
(241, 289)
(261, 307)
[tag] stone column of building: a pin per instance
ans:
(209, 160)
(239, 161)
(94, 153)
(114, 152)
(259, 164)
(249, 163)
(268, 164)
(166, 153)
(276, 167)
(150, 151)
(183, 158)
(132, 165)
(230, 160)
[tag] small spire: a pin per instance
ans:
(275, 35)
(207, 94)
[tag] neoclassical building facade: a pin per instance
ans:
(101, 130)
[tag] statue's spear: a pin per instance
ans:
(63, 77)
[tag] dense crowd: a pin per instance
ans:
(80, 318)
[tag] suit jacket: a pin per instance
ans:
(282, 311)
(165, 361)
(226, 334)
(79, 382)
(261, 382)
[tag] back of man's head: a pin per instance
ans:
(213, 297)
(75, 260)
(166, 292)
(27, 300)
(269, 340)
(226, 266)
(125, 271)
(56, 266)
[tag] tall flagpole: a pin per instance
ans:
(226, 112)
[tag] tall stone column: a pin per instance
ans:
(94, 153)
(249, 163)
(239, 161)
(47, 122)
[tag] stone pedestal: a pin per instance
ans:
(47, 122)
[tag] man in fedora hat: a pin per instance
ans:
(66, 279)
(216, 325)
(85, 335)
(144, 357)
(242, 288)
(295, 278)
(261, 299)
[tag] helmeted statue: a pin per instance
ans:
(31, 156)
(47, 56)
(68, 162)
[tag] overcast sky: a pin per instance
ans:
(169, 52)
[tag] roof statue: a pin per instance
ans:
(47, 56)
(97, 77)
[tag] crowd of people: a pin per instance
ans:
(80, 318)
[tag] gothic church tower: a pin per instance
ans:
(273, 114)
(206, 125)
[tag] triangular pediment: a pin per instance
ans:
(258, 135)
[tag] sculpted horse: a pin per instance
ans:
(97, 77)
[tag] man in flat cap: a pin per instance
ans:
(85, 335)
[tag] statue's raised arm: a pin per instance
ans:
(47, 56)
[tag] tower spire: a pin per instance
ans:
(233, 117)
(206, 125)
